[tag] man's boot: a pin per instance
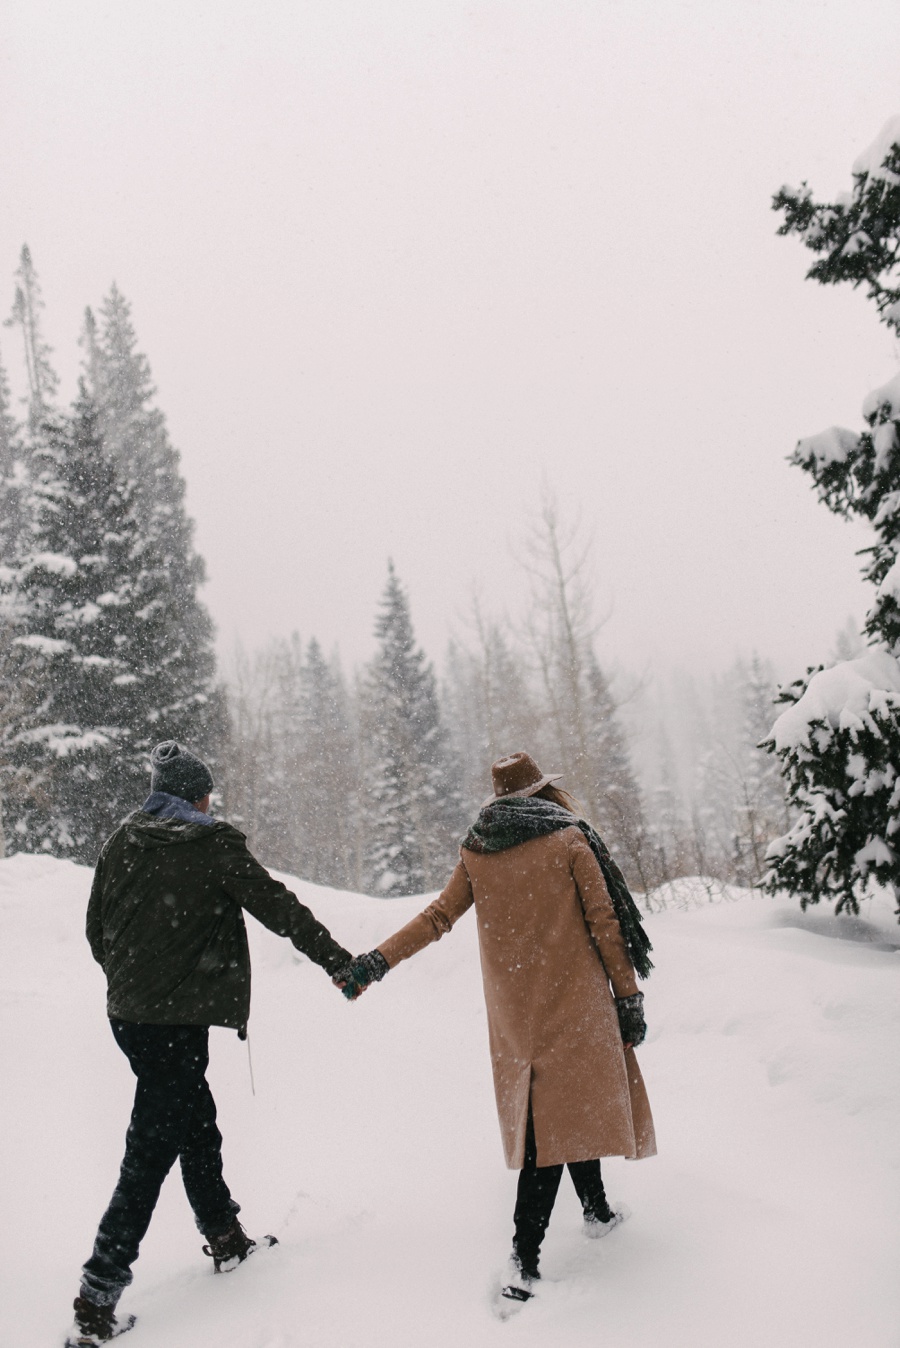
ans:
(232, 1248)
(96, 1324)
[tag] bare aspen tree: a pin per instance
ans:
(26, 315)
(582, 736)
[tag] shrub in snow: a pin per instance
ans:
(839, 740)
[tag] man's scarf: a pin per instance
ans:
(516, 819)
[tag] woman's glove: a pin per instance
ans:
(632, 1025)
(354, 978)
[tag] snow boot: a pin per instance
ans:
(518, 1280)
(232, 1248)
(596, 1229)
(96, 1324)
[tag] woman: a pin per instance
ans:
(562, 1039)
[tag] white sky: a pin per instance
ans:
(394, 262)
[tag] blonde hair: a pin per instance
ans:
(560, 797)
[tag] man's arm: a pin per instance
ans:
(94, 921)
(273, 904)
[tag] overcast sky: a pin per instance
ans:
(396, 263)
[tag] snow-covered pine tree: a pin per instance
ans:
(18, 690)
(179, 696)
(10, 442)
(410, 789)
(615, 798)
(26, 315)
(12, 472)
(839, 739)
(75, 599)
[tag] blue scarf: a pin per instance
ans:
(163, 806)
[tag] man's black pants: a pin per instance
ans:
(538, 1187)
(174, 1117)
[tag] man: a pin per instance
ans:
(164, 921)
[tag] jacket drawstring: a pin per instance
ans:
(250, 1064)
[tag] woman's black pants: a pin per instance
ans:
(538, 1187)
(174, 1118)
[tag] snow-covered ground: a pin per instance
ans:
(371, 1147)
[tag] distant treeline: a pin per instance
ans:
(369, 783)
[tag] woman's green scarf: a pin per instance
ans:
(515, 819)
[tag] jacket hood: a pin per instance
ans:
(149, 832)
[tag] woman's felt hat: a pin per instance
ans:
(518, 775)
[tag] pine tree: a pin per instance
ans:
(10, 443)
(92, 363)
(26, 314)
(760, 811)
(611, 786)
(177, 661)
(291, 777)
(492, 711)
(249, 780)
(20, 691)
(839, 740)
(413, 806)
(12, 473)
(667, 828)
(75, 617)
(323, 768)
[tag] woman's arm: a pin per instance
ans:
(600, 916)
(432, 923)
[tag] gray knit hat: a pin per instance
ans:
(179, 772)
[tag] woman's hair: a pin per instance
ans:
(559, 797)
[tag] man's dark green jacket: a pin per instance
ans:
(165, 922)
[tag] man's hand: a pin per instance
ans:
(354, 978)
(347, 982)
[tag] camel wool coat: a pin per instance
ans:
(551, 946)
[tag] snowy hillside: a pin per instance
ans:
(371, 1148)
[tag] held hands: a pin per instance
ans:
(354, 978)
(632, 1025)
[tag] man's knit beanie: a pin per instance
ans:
(179, 772)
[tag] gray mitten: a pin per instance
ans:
(363, 970)
(632, 1025)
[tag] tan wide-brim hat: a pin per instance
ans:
(518, 775)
